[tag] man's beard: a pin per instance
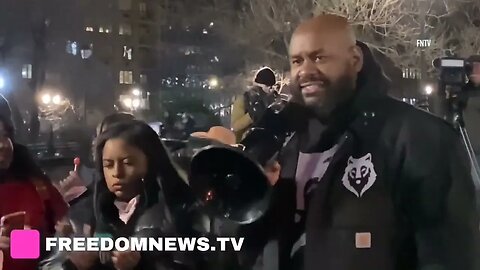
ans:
(336, 94)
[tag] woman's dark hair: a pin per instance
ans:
(161, 173)
(23, 166)
(7, 126)
(113, 119)
(5, 110)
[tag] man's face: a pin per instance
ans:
(324, 69)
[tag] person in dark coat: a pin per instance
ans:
(369, 182)
(135, 196)
(249, 108)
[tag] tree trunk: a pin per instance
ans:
(38, 77)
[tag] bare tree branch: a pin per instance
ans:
(390, 26)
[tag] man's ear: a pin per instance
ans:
(357, 55)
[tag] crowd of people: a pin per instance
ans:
(365, 182)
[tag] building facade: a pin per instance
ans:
(124, 35)
(195, 58)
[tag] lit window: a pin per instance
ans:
(126, 77)
(86, 51)
(89, 29)
(125, 29)
(125, 5)
(72, 47)
(101, 30)
(411, 73)
(68, 48)
(27, 71)
(127, 52)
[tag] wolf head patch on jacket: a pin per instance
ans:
(359, 175)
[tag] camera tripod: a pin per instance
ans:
(457, 105)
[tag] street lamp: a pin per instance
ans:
(46, 99)
(56, 99)
(213, 82)
(135, 103)
(127, 102)
(428, 90)
(86, 52)
(136, 92)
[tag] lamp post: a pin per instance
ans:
(428, 90)
(50, 103)
(133, 100)
(213, 83)
(85, 52)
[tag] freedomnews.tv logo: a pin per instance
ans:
(25, 244)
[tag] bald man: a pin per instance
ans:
(369, 183)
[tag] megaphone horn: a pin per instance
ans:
(229, 184)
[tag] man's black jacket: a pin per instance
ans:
(414, 200)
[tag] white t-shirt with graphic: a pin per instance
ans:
(310, 169)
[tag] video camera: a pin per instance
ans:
(458, 81)
(456, 73)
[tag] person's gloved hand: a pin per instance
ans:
(72, 186)
(255, 103)
(72, 180)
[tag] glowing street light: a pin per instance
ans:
(136, 92)
(213, 82)
(46, 99)
(428, 89)
(127, 102)
(135, 103)
(57, 99)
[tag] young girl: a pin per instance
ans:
(137, 183)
